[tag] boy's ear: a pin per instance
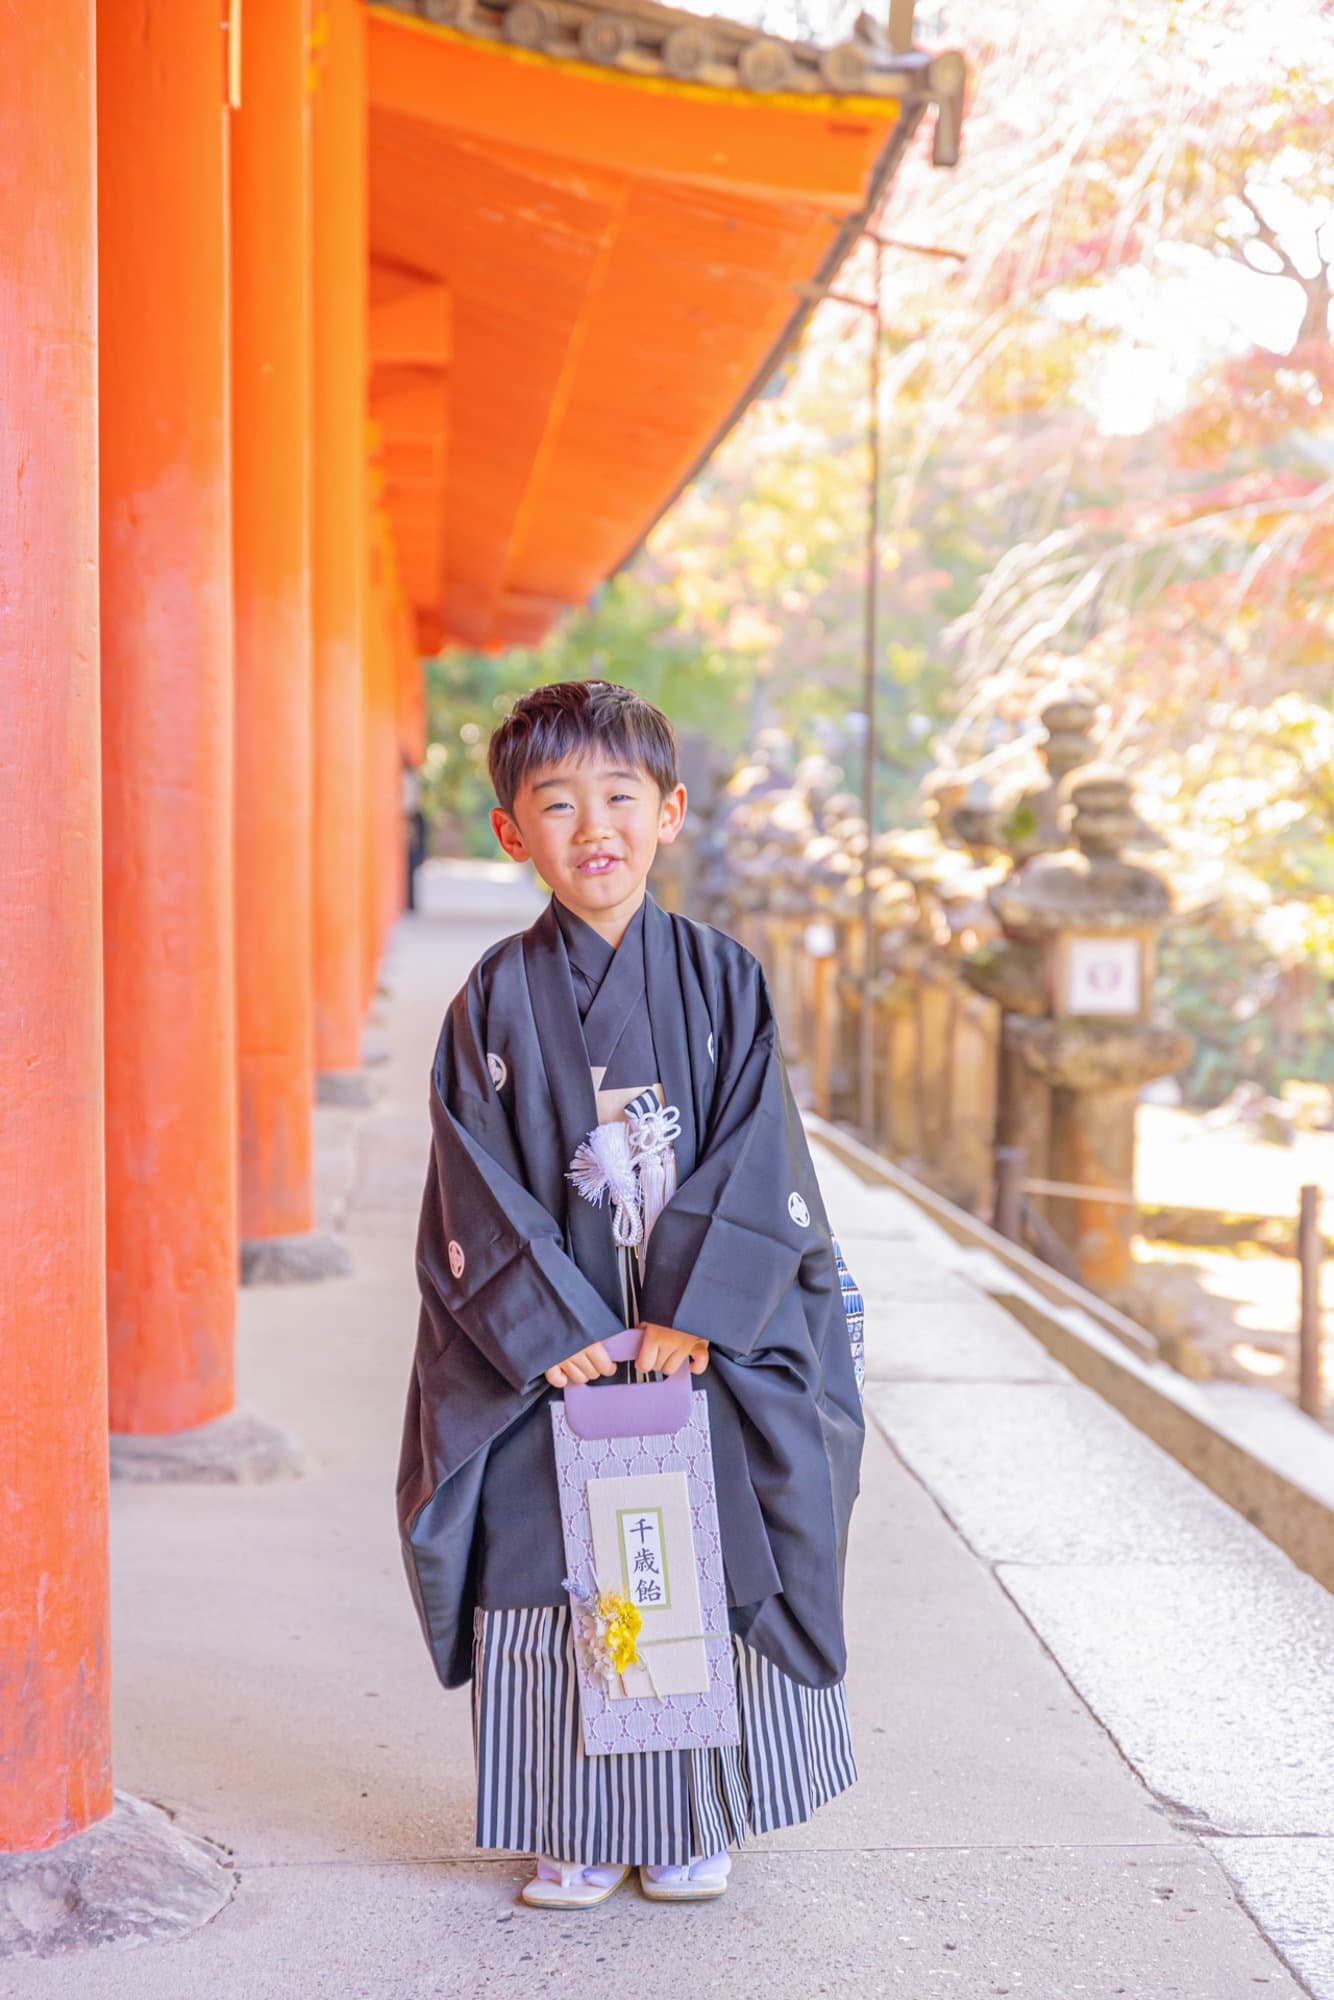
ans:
(672, 816)
(507, 833)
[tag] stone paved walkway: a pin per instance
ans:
(1094, 1710)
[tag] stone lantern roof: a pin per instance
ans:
(1087, 883)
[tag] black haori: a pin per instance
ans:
(517, 1271)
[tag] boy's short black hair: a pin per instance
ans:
(571, 718)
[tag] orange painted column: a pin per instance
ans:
(167, 714)
(338, 541)
(397, 858)
(373, 645)
(370, 925)
(55, 1750)
(411, 699)
(383, 781)
(374, 846)
(411, 690)
(271, 387)
(389, 768)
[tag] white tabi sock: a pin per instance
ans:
(711, 1869)
(600, 1875)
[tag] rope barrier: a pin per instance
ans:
(1073, 1188)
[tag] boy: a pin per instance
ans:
(609, 1007)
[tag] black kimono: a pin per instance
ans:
(554, 1033)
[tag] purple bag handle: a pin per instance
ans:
(629, 1409)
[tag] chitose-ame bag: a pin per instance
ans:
(644, 1563)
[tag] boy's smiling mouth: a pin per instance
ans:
(597, 864)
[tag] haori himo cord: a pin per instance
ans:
(616, 1152)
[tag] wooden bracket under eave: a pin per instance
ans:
(410, 318)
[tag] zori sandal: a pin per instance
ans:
(569, 1885)
(699, 1882)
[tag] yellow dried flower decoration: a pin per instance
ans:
(624, 1622)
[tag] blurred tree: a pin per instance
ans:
(1171, 505)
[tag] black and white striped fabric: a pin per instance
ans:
(538, 1793)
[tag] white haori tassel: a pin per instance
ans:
(603, 1165)
(652, 1133)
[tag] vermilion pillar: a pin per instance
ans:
(383, 789)
(396, 857)
(338, 574)
(411, 726)
(371, 676)
(394, 850)
(167, 713)
(411, 691)
(370, 786)
(55, 1770)
(271, 328)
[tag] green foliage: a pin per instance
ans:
(1254, 1019)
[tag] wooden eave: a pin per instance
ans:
(582, 272)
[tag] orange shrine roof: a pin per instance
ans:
(593, 236)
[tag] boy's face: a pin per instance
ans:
(591, 829)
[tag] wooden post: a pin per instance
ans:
(270, 211)
(974, 1060)
(935, 1017)
(824, 976)
(55, 1729)
(1093, 1145)
(1008, 1220)
(1023, 1112)
(1309, 1252)
(905, 1125)
(167, 714)
(338, 537)
(879, 1047)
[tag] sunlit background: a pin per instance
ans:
(1107, 432)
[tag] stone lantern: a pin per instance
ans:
(1034, 822)
(1082, 924)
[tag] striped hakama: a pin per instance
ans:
(538, 1793)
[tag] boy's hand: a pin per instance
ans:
(662, 1350)
(582, 1367)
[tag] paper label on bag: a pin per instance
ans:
(643, 1544)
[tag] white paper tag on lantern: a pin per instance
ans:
(1102, 976)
